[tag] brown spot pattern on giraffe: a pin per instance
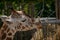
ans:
(9, 33)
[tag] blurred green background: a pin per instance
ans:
(35, 8)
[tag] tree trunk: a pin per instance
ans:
(57, 9)
(31, 9)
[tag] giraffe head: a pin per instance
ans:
(15, 18)
(13, 21)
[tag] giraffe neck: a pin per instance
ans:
(6, 33)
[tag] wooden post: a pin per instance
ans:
(57, 9)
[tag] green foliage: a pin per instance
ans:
(49, 6)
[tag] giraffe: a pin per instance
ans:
(17, 21)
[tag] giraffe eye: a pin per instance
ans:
(24, 20)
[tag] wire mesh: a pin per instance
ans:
(48, 32)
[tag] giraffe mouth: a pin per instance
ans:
(1, 23)
(9, 22)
